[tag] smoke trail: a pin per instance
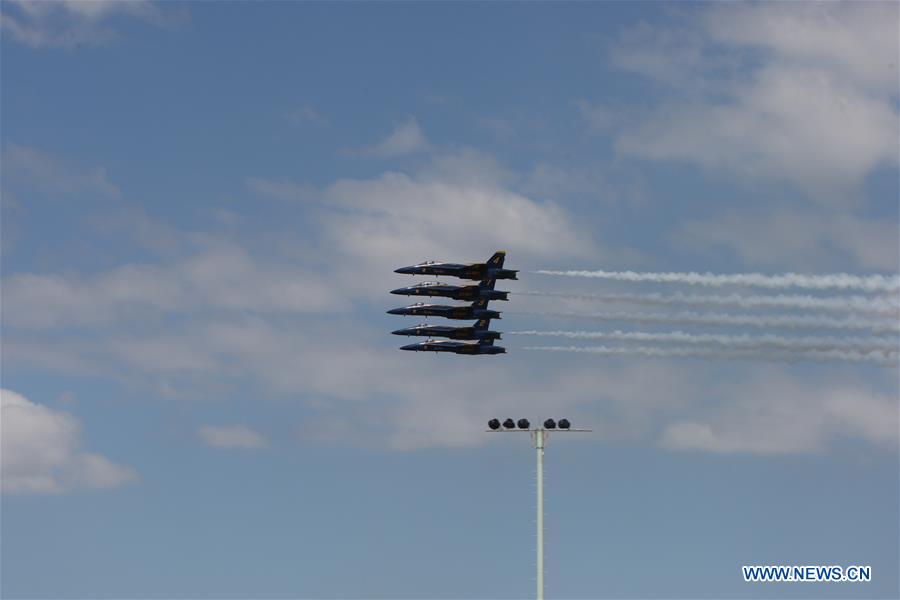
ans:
(861, 345)
(862, 304)
(692, 318)
(842, 281)
(806, 356)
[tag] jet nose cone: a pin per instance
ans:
(410, 347)
(405, 270)
(401, 332)
(400, 291)
(395, 311)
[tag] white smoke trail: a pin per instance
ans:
(719, 353)
(862, 304)
(861, 345)
(692, 318)
(842, 281)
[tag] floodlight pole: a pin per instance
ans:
(539, 437)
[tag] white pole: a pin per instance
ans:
(539, 437)
(539, 450)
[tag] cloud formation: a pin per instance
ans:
(213, 311)
(305, 113)
(231, 436)
(218, 276)
(42, 452)
(803, 93)
(782, 414)
(458, 206)
(406, 138)
(799, 91)
(69, 23)
(31, 167)
(807, 237)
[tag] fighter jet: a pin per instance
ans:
(492, 269)
(477, 310)
(485, 290)
(479, 331)
(483, 347)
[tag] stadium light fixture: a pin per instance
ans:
(539, 437)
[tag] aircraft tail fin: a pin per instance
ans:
(487, 284)
(497, 259)
(483, 342)
(482, 324)
(480, 303)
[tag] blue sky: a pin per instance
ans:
(203, 204)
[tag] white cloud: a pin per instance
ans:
(42, 451)
(68, 23)
(219, 276)
(598, 117)
(802, 238)
(235, 325)
(613, 399)
(781, 414)
(41, 171)
(767, 93)
(135, 226)
(607, 186)
(475, 168)
(804, 92)
(305, 114)
(406, 138)
(161, 353)
(280, 189)
(802, 125)
(364, 391)
(240, 317)
(231, 436)
(858, 40)
(502, 128)
(672, 55)
(458, 206)
(361, 391)
(382, 218)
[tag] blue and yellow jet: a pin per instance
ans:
(476, 310)
(483, 347)
(484, 290)
(492, 269)
(479, 331)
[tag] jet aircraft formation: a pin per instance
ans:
(474, 339)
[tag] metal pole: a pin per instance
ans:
(539, 437)
(539, 450)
